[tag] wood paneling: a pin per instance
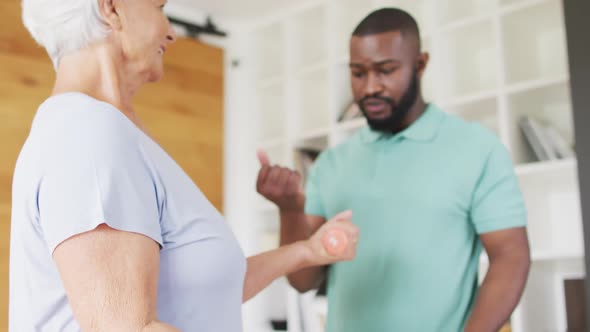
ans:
(27, 77)
(184, 112)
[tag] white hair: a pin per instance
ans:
(63, 26)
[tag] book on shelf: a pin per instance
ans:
(545, 141)
(352, 111)
(561, 146)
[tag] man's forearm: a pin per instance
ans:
(296, 227)
(499, 293)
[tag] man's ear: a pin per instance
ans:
(422, 63)
(109, 13)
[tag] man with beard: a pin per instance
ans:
(428, 192)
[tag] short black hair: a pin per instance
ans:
(388, 20)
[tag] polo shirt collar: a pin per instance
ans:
(424, 129)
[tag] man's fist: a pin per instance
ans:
(280, 185)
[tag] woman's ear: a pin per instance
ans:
(109, 13)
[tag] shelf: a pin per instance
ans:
(422, 10)
(314, 134)
(266, 329)
(469, 99)
(341, 91)
(271, 117)
(536, 84)
(466, 22)
(317, 139)
(353, 124)
(272, 61)
(270, 82)
(542, 168)
(456, 10)
(348, 14)
(267, 226)
(483, 111)
(272, 301)
(551, 196)
(542, 307)
(426, 43)
(264, 206)
(428, 83)
(346, 129)
(342, 60)
(541, 257)
(550, 105)
(276, 151)
(320, 68)
(510, 6)
(480, 40)
(272, 143)
(535, 45)
(312, 103)
(310, 37)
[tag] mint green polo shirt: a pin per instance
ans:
(420, 199)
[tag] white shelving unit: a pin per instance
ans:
(492, 62)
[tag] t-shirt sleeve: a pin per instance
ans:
(94, 174)
(313, 201)
(497, 200)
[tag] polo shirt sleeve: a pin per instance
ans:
(313, 201)
(497, 202)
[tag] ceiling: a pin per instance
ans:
(235, 10)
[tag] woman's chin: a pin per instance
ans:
(155, 77)
(156, 73)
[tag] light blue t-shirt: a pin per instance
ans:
(421, 199)
(85, 164)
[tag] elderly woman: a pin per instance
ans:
(108, 232)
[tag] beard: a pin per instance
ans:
(399, 110)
